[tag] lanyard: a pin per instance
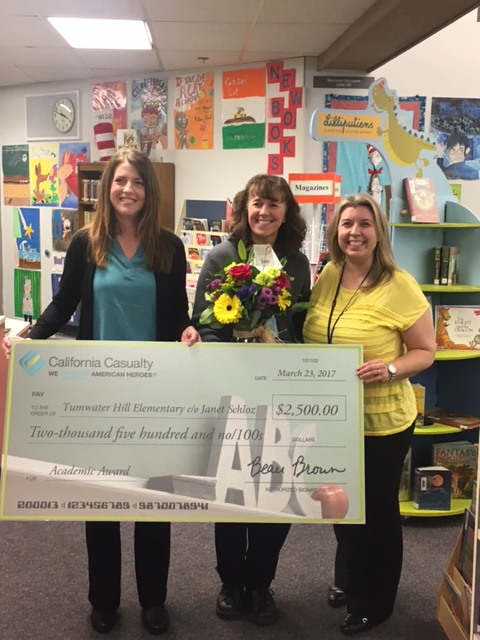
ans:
(330, 328)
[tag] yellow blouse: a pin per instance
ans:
(375, 319)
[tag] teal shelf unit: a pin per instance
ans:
(454, 378)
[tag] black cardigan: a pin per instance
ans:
(76, 286)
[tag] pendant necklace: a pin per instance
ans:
(330, 328)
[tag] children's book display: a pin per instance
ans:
(198, 237)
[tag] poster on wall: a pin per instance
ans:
(455, 122)
(43, 161)
(26, 292)
(148, 112)
(26, 231)
(64, 226)
(244, 108)
(112, 96)
(193, 111)
(16, 181)
(361, 165)
(70, 153)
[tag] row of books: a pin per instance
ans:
(437, 415)
(202, 238)
(445, 265)
(202, 224)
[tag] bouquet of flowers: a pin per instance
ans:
(247, 297)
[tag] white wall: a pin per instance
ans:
(200, 175)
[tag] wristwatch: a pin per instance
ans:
(392, 370)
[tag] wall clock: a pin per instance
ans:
(53, 116)
(63, 115)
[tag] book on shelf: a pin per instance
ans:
(419, 391)
(457, 327)
(452, 277)
(405, 478)
(216, 225)
(451, 418)
(195, 224)
(431, 489)
(201, 238)
(456, 600)
(193, 252)
(465, 558)
(186, 237)
(461, 460)
(437, 264)
(421, 200)
(444, 266)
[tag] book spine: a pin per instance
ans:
(453, 265)
(445, 265)
(437, 264)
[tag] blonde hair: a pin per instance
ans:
(383, 264)
(102, 231)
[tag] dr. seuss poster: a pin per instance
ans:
(112, 95)
(148, 112)
(70, 153)
(26, 231)
(26, 294)
(456, 125)
(243, 108)
(43, 174)
(193, 111)
(16, 182)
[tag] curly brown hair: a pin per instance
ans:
(291, 234)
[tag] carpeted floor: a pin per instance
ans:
(43, 585)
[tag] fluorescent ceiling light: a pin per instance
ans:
(86, 33)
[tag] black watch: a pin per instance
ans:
(392, 370)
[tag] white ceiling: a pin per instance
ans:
(342, 34)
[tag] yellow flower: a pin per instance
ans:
(284, 300)
(227, 310)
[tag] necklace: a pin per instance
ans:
(330, 328)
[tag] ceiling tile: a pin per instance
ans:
(206, 11)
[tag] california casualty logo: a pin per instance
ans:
(32, 362)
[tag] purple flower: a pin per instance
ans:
(214, 284)
(262, 302)
(245, 292)
(272, 300)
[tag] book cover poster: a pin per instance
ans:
(148, 112)
(16, 180)
(244, 108)
(74, 320)
(193, 111)
(458, 327)
(26, 231)
(70, 154)
(64, 226)
(456, 122)
(112, 95)
(26, 293)
(128, 139)
(43, 165)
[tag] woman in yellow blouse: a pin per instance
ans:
(363, 297)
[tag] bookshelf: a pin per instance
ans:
(90, 173)
(449, 382)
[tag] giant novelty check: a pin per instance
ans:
(161, 431)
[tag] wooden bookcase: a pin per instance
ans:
(89, 172)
